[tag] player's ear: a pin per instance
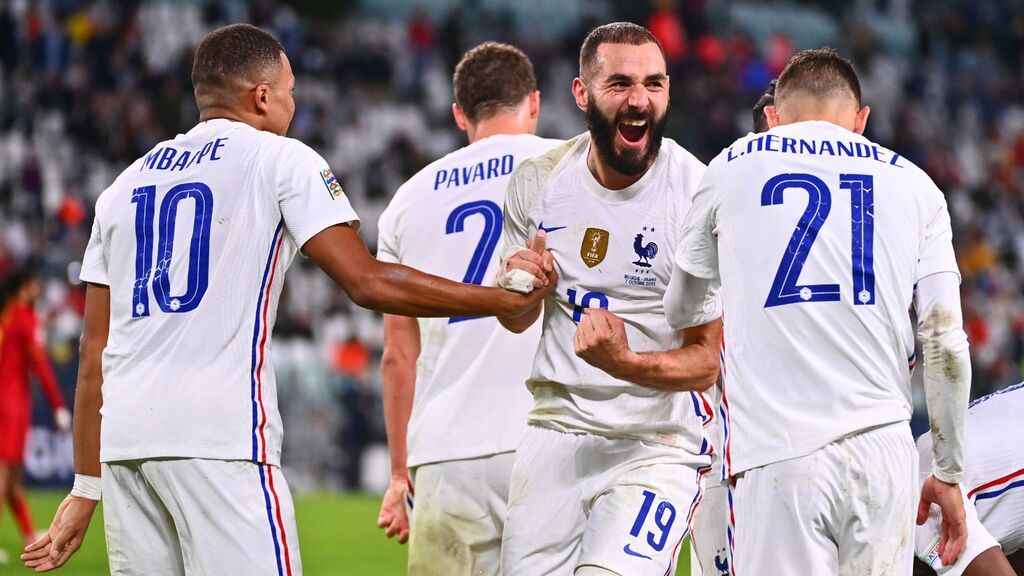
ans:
(460, 118)
(534, 104)
(261, 98)
(579, 91)
(772, 116)
(862, 120)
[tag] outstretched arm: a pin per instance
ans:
(398, 289)
(601, 341)
(398, 380)
(67, 532)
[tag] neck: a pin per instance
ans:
(837, 113)
(499, 124)
(607, 176)
(215, 112)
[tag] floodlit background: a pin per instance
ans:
(88, 87)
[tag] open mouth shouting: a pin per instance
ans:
(633, 133)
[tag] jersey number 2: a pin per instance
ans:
(491, 213)
(198, 255)
(785, 289)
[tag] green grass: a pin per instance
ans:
(337, 532)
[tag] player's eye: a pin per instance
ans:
(656, 85)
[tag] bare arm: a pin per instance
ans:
(70, 523)
(601, 341)
(397, 289)
(88, 393)
(398, 379)
(991, 562)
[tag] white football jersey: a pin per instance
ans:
(994, 464)
(612, 249)
(818, 236)
(193, 240)
(470, 396)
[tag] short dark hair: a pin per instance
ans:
(492, 77)
(614, 33)
(766, 99)
(230, 55)
(819, 72)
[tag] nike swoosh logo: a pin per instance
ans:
(549, 230)
(627, 550)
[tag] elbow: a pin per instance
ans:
(511, 325)
(90, 346)
(365, 294)
(708, 379)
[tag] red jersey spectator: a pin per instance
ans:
(21, 352)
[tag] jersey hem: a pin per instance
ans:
(806, 449)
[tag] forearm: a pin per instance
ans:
(88, 400)
(690, 368)
(520, 324)
(947, 372)
(398, 383)
(398, 289)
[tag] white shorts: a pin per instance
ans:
(928, 535)
(709, 535)
(458, 516)
(847, 508)
(578, 500)
(190, 516)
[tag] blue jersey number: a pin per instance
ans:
(663, 519)
(198, 254)
(588, 301)
(785, 289)
(491, 213)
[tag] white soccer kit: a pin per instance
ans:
(612, 249)
(818, 237)
(994, 484)
(193, 240)
(471, 399)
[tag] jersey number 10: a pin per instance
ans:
(198, 255)
(785, 289)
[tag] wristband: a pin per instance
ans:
(88, 487)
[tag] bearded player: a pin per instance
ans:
(185, 267)
(608, 474)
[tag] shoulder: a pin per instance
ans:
(535, 171)
(282, 149)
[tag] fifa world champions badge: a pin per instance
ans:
(594, 247)
(331, 181)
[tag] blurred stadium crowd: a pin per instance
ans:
(88, 87)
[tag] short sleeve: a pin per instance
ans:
(94, 263)
(937, 244)
(387, 236)
(698, 246)
(310, 196)
(516, 227)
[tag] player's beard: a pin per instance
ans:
(603, 131)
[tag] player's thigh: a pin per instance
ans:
(879, 500)
(140, 533)
(781, 516)
(459, 512)
(546, 506)
(927, 538)
(232, 517)
(637, 525)
(709, 530)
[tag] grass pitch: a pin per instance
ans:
(337, 534)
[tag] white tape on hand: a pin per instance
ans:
(514, 280)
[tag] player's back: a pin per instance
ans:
(822, 236)
(471, 399)
(193, 240)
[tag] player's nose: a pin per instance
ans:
(638, 97)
